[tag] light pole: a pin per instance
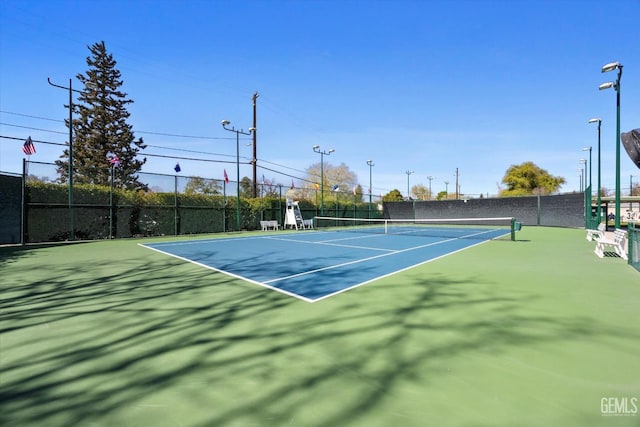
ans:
(590, 166)
(225, 123)
(605, 69)
(599, 121)
(580, 176)
(371, 165)
(446, 190)
(631, 189)
(408, 172)
(430, 178)
(588, 197)
(584, 190)
(71, 90)
(584, 176)
(322, 153)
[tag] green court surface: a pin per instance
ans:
(535, 332)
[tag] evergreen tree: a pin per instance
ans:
(101, 131)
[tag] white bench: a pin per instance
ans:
(269, 225)
(307, 224)
(618, 242)
(599, 232)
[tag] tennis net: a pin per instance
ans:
(461, 228)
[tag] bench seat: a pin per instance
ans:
(599, 232)
(618, 242)
(269, 225)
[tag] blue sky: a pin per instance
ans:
(423, 86)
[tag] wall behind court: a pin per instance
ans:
(563, 210)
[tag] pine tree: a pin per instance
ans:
(101, 131)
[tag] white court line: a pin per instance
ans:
(237, 276)
(328, 243)
(293, 294)
(359, 260)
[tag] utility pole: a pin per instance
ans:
(254, 161)
(457, 193)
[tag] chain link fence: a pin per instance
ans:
(168, 205)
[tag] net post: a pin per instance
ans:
(513, 229)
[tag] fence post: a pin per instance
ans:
(175, 204)
(23, 209)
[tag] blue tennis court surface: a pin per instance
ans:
(312, 265)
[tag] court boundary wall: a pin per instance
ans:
(562, 210)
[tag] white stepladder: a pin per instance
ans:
(293, 216)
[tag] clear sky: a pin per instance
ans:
(423, 86)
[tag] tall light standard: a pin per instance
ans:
(71, 90)
(322, 153)
(631, 189)
(584, 189)
(588, 197)
(590, 165)
(605, 69)
(580, 176)
(599, 121)
(371, 165)
(446, 190)
(430, 178)
(226, 123)
(408, 172)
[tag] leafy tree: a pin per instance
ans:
(442, 195)
(606, 192)
(197, 185)
(101, 131)
(420, 192)
(393, 196)
(528, 178)
(269, 188)
(333, 175)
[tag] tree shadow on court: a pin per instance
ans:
(152, 340)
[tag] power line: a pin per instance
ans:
(34, 140)
(32, 128)
(143, 153)
(137, 131)
(30, 116)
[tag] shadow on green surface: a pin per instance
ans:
(94, 342)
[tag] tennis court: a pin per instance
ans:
(532, 332)
(313, 265)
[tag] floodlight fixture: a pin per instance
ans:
(371, 165)
(224, 124)
(408, 172)
(316, 148)
(595, 120)
(611, 66)
(607, 85)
